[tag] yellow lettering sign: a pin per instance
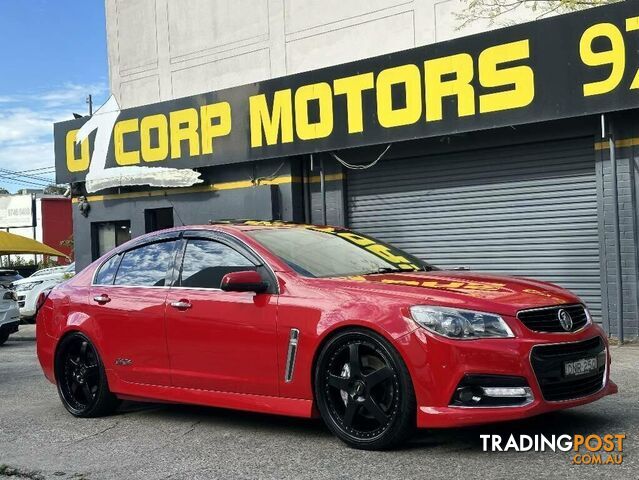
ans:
(520, 77)
(122, 128)
(461, 65)
(221, 112)
(275, 124)
(320, 92)
(160, 125)
(184, 127)
(74, 163)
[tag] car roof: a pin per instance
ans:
(225, 226)
(248, 225)
(231, 226)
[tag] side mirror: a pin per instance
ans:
(244, 281)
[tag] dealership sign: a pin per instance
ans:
(566, 66)
(16, 211)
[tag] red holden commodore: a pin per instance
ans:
(305, 320)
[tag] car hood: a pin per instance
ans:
(58, 276)
(485, 292)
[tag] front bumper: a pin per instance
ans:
(27, 301)
(438, 365)
(9, 327)
(442, 417)
(9, 316)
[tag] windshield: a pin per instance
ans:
(329, 252)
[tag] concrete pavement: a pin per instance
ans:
(39, 439)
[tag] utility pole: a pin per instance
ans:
(90, 103)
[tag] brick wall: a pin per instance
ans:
(625, 129)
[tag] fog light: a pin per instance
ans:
(469, 395)
(507, 392)
(479, 390)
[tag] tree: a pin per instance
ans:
(494, 11)
(69, 243)
(55, 189)
(4, 191)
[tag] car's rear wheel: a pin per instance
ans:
(4, 336)
(82, 383)
(364, 391)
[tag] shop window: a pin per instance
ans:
(105, 236)
(158, 219)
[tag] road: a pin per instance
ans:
(40, 440)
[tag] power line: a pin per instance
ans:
(33, 170)
(19, 174)
(19, 181)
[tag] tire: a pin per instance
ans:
(4, 336)
(364, 392)
(81, 380)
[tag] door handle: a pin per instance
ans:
(102, 299)
(181, 304)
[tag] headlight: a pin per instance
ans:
(588, 315)
(10, 295)
(26, 286)
(460, 324)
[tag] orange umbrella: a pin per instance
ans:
(11, 244)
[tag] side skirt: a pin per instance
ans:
(293, 407)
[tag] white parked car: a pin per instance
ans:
(9, 313)
(28, 289)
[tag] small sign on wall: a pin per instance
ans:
(16, 211)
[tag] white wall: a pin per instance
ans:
(165, 49)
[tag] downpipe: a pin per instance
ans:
(616, 225)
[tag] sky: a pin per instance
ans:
(52, 55)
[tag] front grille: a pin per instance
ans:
(547, 319)
(548, 364)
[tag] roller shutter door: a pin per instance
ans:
(527, 210)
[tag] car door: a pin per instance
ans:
(128, 296)
(223, 341)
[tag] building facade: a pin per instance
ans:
(162, 49)
(545, 189)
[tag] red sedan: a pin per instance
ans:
(303, 320)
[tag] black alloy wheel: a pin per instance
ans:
(364, 391)
(82, 383)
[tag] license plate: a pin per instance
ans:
(583, 366)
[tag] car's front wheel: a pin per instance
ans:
(81, 380)
(364, 391)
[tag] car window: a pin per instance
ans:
(206, 262)
(146, 266)
(106, 274)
